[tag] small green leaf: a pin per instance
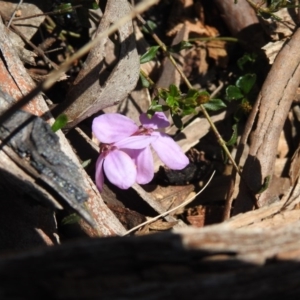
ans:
(192, 94)
(70, 219)
(156, 107)
(171, 101)
(59, 123)
(265, 184)
(150, 113)
(234, 136)
(188, 111)
(163, 93)
(150, 26)
(180, 46)
(246, 82)
(149, 55)
(214, 104)
(173, 90)
(63, 8)
(177, 121)
(247, 57)
(86, 163)
(144, 81)
(233, 93)
(95, 5)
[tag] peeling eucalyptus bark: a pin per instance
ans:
(265, 123)
(38, 152)
(90, 93)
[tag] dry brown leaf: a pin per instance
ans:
(272, 48)
(217, 51)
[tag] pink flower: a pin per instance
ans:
(125, 155)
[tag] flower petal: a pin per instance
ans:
(136, 142)
(110, 128)
(169, 152)
(99, 176)
(120, 169)
(144, 163)
(158, 120)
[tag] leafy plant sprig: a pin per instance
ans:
(60, 122)
(176, 104)
(271, 7)
(181, 104)
(240, 92)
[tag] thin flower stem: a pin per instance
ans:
(220, 139)
(143, 73)
(165, 50)
(216, 38)
(14, 13)
(56, 12)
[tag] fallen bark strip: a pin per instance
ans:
(90, 92)
(242, 21)
(16, 82)
(214, 262)
(265, 123)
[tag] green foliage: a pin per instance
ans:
(177, 120)
(63, 8)
(245, 83)
(59, 123)
(242, 87)
(275, 5)
(144, 81)
(180, 46)
(267, 11)
(95, 5)
(245, 59)
(149, 27)
(181, 104)
(233, 93)
(240, 92)
(149, 55)
(234, 136)
(214, 105)
(70, 219)
(265, 184)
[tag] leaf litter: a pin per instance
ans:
(209, 64)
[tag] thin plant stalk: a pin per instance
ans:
(188, 84)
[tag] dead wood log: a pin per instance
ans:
(215, 262)
(16, 82)
(264, 126)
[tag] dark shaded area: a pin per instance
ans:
(39, 152)
(150, 267)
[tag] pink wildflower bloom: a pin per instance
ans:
(125, 155)
(165, 147)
